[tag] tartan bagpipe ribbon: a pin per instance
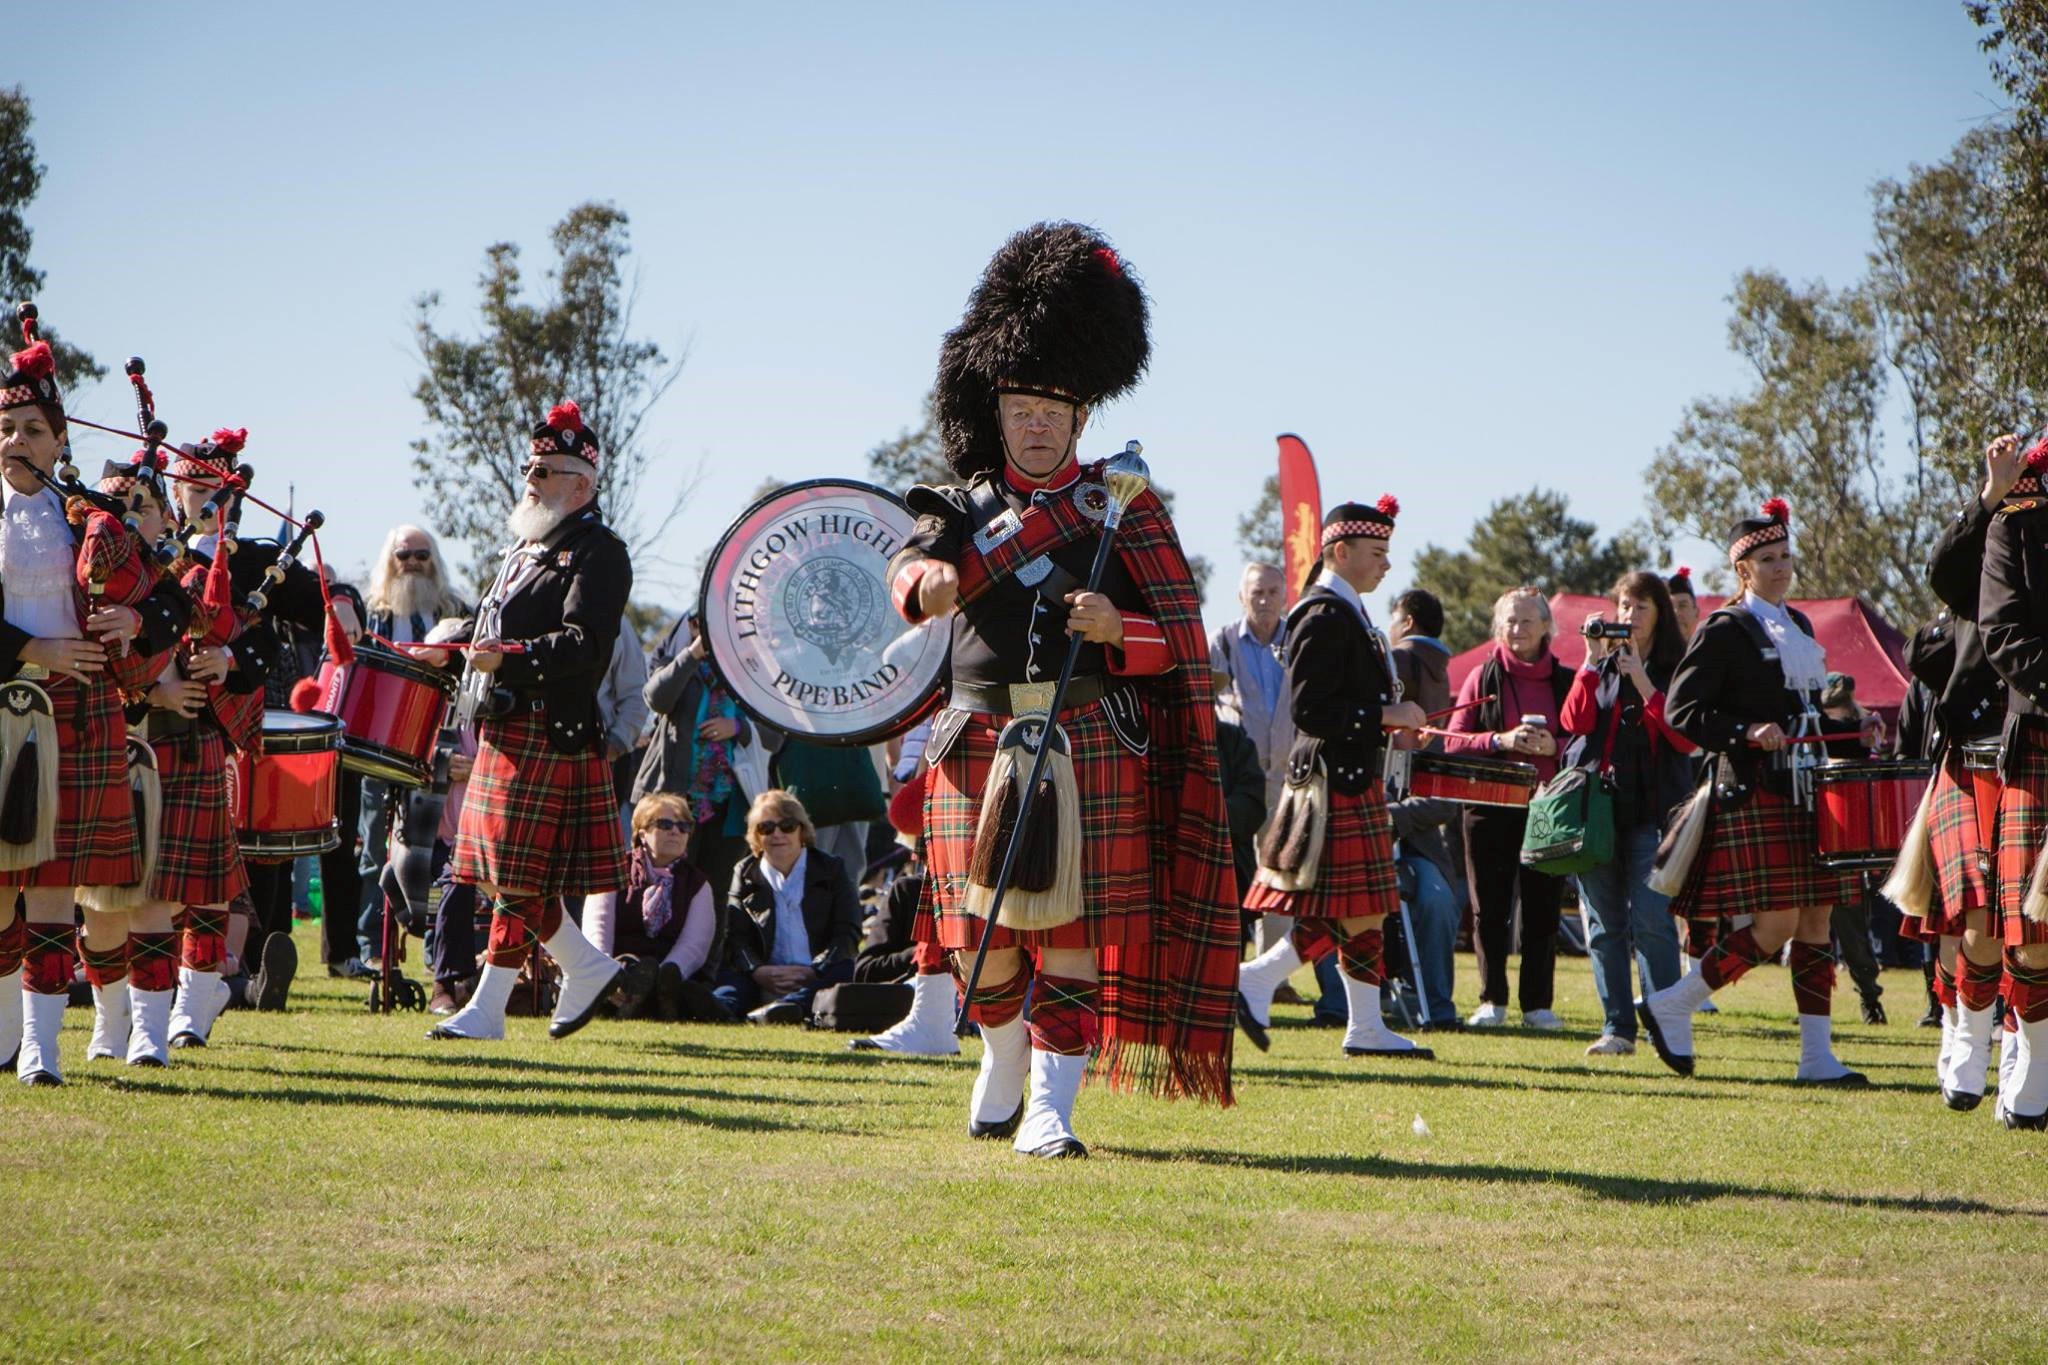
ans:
(1168, 1006)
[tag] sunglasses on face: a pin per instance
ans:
(771, 826)
(666, 825)
(407, 556)
(541, 473)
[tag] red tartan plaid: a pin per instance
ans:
(1761, 856)
(1959, 854)
(2022, 815)
(1168, 1002)
(1116, 854)
(97, 843)
(535, 820)
(199, 856)
(1356, 876)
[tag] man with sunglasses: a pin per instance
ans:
(538, 819)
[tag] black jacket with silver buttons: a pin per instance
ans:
(567, 618)
(1338, 682)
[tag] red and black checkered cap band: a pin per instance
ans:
(2026, 486)
(1755, 540)
(21, 391)
(1345, 530)
(581, 444)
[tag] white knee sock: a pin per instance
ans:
(110, 1021)
(149, 1028)
(10, 1014)
(1948, 1045)
(586, 972)
(2030, 1084)
(1265, 974)
(1817, 1060)
(1005, 1065)
(1049, 1110)
(927, 1031)
(42, 1017)
(1969, 1056)
(484, 1016)
(1673, 1009)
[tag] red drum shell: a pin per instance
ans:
(391, 710)
(1863, 807)
(1472, 780)
(285, 800)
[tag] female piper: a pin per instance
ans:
(1747, 691)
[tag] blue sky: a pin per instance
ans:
(1461, 249)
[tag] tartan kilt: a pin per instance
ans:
(98, 843)
(536, 820)
(1356, 876)
(199, 854)
(1960, 858)
(1116, 843)
(1762, 855)
(2022, 814)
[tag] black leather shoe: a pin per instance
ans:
(187, 1039)
(1413, 1054)
(562, 1028)
(1873, 1012)
(273, 984)
(1679, 1062)
(41, 1078)
(8, 1065)
(1848, 1080)
(1253, 1029)
(777, 1012)
(1005, 1128)
(864, 1045)
(148, 1061)
(2024, 1122)
(1058, 1148)
(1931, 1019)
(442, 1033)
(1962, 1101)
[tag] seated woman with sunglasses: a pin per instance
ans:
(666, 928)
(792, 922)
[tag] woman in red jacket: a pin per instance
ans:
(1617, 704)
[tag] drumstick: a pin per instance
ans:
(1450, 711)
(1815, 739)
(503, 647)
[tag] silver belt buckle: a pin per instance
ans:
(1032, 698)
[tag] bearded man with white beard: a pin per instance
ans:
(539, 822)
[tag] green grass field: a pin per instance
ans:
(324, 1184)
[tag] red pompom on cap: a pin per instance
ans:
(2037, 455)
(565, 417)
(1777, 509)
(305, 694)
(1684, 571)
(1389, 505)
(230, 440)
(37, 362)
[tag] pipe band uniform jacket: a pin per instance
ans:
(1339, 682)
(567, 616)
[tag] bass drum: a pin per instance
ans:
(798, 616)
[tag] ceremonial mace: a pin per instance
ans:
(1127, 476)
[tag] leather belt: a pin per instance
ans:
(1023, 699)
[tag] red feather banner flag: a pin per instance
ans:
(1301, 513)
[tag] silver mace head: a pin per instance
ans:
(1127, 475)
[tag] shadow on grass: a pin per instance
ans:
(1453, 1080)
(655, 1113)
(1627, 1189)
(1715, 1078)
(468, 1084)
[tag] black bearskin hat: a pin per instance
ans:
(1057, 313)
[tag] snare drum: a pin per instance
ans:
(391, 709)
(1863, 807)
(1475, 781)
(284, 800)
(1980, 766)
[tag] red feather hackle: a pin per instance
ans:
(38, 361)
(2037, 455)
(1777, 509)
(1684, 571)
(230, 440)
(566, 417)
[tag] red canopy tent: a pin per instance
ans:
(1859, 643)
